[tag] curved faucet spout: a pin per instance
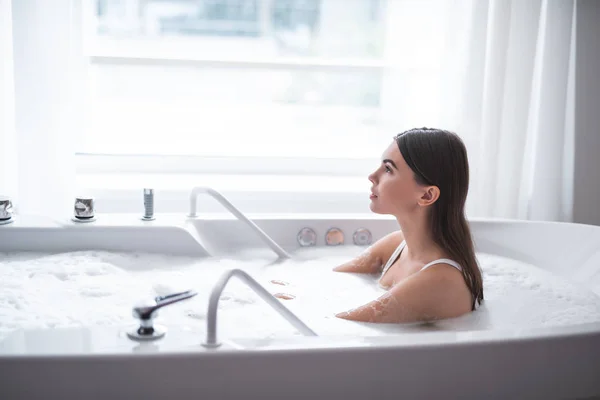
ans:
(281, 253)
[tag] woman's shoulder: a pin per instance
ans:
(393, 239)
(385, 247)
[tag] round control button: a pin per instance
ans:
(307, 237)
(334, 237)
(362, 237)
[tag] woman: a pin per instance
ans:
(429, 266)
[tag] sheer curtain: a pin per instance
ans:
(8, 146)
(40, 74)
(505, 83)
(516, 97)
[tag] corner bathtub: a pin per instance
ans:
(99, 362)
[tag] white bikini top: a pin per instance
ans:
(396, 255)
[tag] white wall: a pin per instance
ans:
(586, 185)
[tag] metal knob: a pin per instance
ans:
(83, 209)
(6, 210)
(147, 312)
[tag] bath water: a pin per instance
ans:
(97, 288)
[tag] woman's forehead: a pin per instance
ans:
(393, 153)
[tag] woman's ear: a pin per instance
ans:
(429, 196)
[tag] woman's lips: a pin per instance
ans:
(372, 196)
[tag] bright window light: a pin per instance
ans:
(262, 78)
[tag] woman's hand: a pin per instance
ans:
(374, 311)
(283, 296)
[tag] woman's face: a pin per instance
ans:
(394, 190)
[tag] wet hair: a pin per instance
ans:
(439, 158)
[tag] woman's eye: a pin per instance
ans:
(388, 169)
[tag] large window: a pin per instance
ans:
(261, 78)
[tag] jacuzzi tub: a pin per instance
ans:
(101, 362)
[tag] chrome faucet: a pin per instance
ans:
(84, 209)
(6, 210)
(148, 205)
(147, 312)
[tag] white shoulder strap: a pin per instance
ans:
(394, 257)
(443, 261)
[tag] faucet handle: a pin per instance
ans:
(147, 312)
(175, 297)
(6, 210)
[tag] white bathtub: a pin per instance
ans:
(101, 362)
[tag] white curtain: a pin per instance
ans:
(40, 109)
(517, 100)
(505, 83)
(8, 146)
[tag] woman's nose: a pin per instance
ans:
(372, 177)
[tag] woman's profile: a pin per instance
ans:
(429, 266)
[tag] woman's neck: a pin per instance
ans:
(417, 234)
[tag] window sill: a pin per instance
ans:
(122, 193)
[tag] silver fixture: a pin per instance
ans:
(213, 303)
(147, 312)
(148, 205)
(238, 214)
(6, 210)
(84, 209)
(362, 237)
(307, 237)
(334, 237)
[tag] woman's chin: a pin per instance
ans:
(374, 207)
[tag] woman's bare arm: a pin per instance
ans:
(426, 296)
(371, 260)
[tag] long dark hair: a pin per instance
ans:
(439, 158)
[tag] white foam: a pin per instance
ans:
(94, 288)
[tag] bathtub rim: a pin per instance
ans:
(398, 341)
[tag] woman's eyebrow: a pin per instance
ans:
(387, 160)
